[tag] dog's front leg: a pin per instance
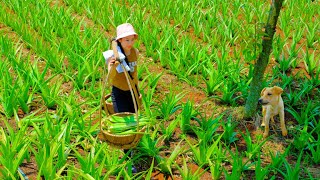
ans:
(282, 123)
(266, 128)
(263, 116)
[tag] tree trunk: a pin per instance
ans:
(262, 62)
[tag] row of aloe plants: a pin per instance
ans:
(61, 137)
(215, 55)
(61, 55)
(165, 109)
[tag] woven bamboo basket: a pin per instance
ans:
(120, 141)
(126, 141)
(108, 106)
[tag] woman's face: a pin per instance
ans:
(127, 42)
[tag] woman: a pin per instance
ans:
(121, 95)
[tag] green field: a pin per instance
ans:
(195, 68)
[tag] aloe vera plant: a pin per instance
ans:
(45, 158)
(165, 164)
(148, 145)
(293, 51)
(302, 137)
(253, 149)
(315, 151)
(81, 77)
(238, 166)
(13, 149)
(261, 172)
(285, 63)
(315, 81)
(229, 135)
(187, 174)
(50, 154)
(169, 105)
(284, 20)
(187, 114)
(88, 162)
(229, 96)
(306, 114)
(22, 84)
(50, 93)
(216, 167)
(112, 161)
(292, 172)
(310, 63)
(148, 103)
(295, 97)
(8, 96)
(311, 36)
(286, 80)
(153, 79)
(168, 130)
(207, 128)
(212, 82)
(278, 45)
(204, 152)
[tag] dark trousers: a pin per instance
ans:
(122, 100)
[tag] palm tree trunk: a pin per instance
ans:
(263, 60)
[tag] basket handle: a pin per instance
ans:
(102, 101)
(133, 92)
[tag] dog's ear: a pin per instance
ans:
(278, 90)
(262, 91)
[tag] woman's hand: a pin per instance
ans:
(111, 61)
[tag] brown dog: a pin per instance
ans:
(272, 104)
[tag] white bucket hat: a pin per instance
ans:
(124, 30)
